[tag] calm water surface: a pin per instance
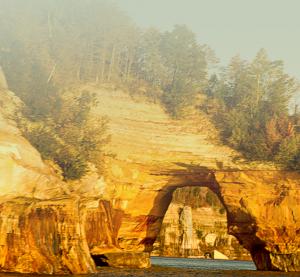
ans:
(171, 267)
(204, 264)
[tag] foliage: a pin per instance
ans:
(61, 44)
(212, 199)
(73, 42)
(186, 66)
(289, 153)
(250, 103)
(222, 210)
(199, 233)
(69, 135)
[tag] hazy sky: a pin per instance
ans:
(230, 27)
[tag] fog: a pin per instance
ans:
(230, 27)
(50, 47)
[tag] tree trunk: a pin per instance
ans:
(103, 65)
(112, 63)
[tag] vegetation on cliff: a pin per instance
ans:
(68, 134)
(62, 44)
(249, 101)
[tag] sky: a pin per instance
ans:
(229, 27)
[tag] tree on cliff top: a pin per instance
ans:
(72, 42)
(253, 100)
(186, 67)
(59, 44)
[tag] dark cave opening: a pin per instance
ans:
(100, 260)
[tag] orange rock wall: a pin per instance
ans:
(49, 226)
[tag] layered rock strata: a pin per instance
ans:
(48, 226)
(41, 228)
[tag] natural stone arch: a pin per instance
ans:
(195, 225)
(46, 224)
(254, 202)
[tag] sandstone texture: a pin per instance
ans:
(48, 226)
(40, 222)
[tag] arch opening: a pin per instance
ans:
(195, 225)
(139, 225)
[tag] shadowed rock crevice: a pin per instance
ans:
(100, 260)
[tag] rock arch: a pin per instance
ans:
(262, 210)
(48, 226)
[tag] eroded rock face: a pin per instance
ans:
(3, 82)
(43, 237)
(48, 226)
(40, 222)
(23, 173)
(263, 213)
(155, 155)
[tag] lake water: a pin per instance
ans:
(203, 264)
(173, 267)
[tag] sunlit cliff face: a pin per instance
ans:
(107, 120)
(49, 226)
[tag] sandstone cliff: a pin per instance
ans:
(40, 229)
(48, 226)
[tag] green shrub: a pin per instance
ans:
(249, 102)
(199, 234)
(289, 153)
(70, 136)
